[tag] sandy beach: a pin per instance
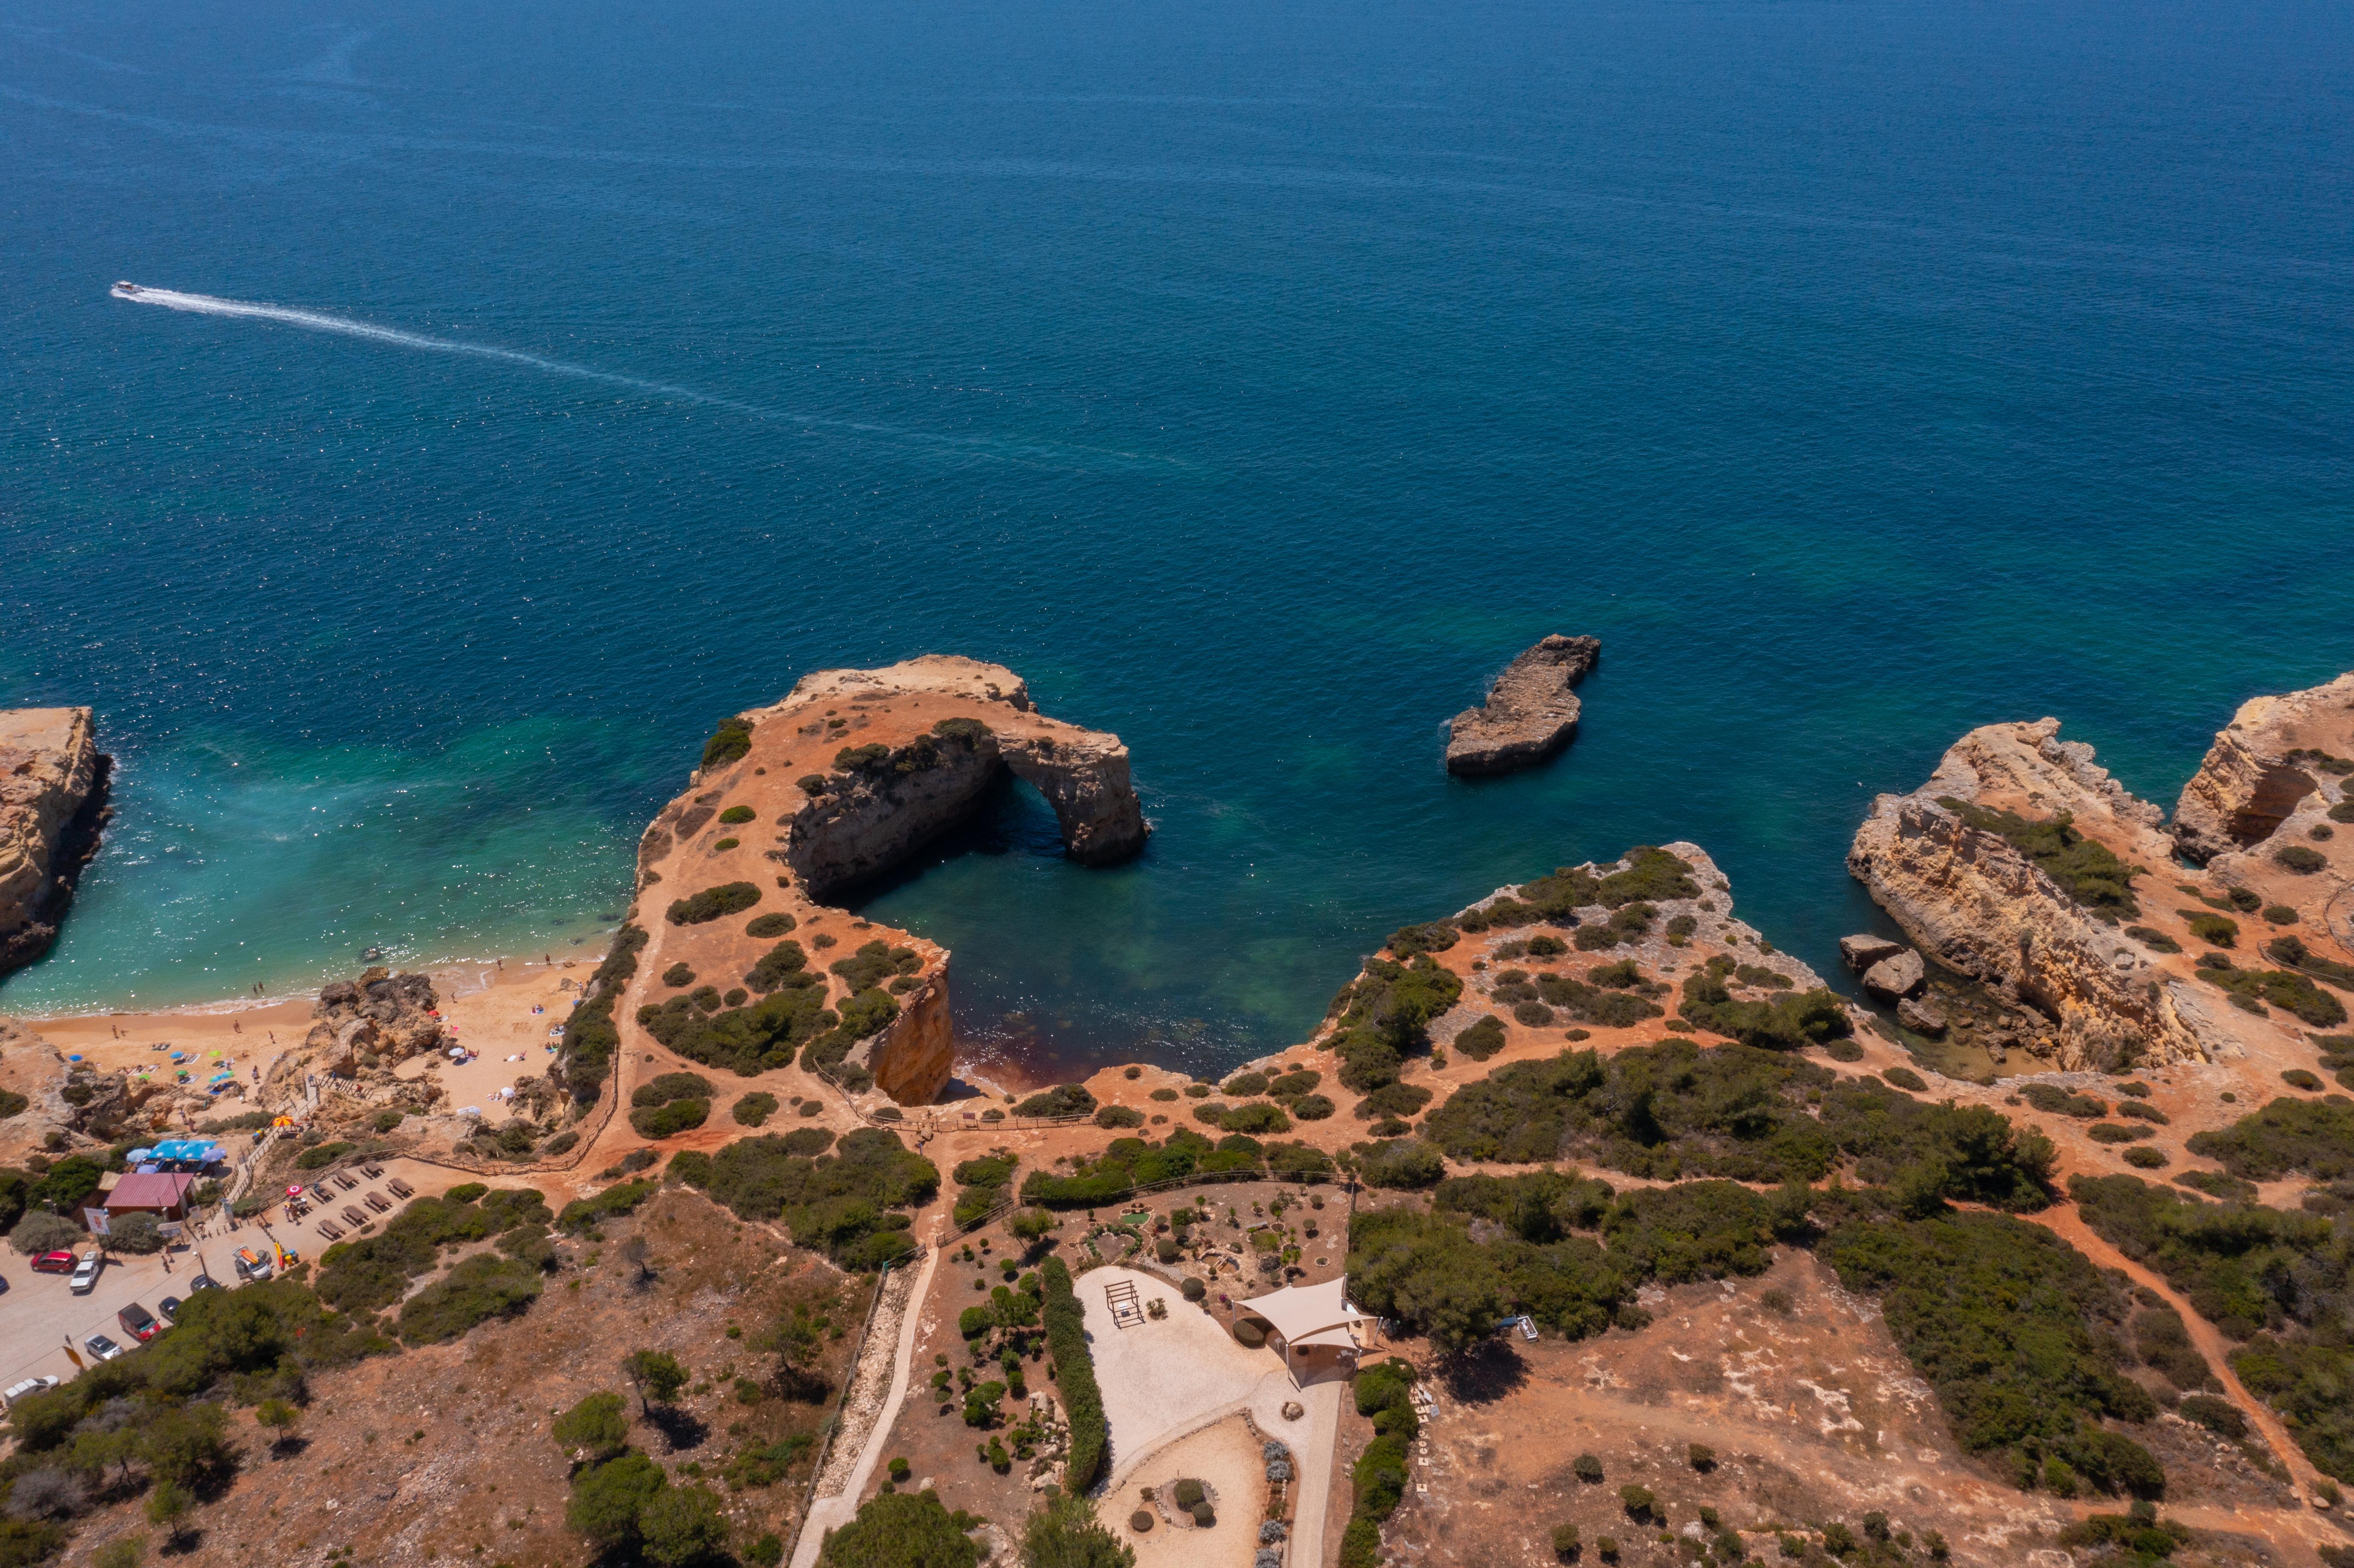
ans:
(500, 1011)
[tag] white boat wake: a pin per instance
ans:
(991, 447)
(316, 321)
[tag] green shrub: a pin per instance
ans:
(1788, 1023)
(2110, 1132)
(590, 1037)
(1255, 1118)
(481, 1288)
(2215, 930)
(678, 975)
(1312, 1107)
(903, 1529)
(668, 1119)
(1402, 1162)
(2298, 859)
(729, 743)
(754, 1110)
(669, 1086)
(782, 965)
(1243, 1085)
(1385, 1014)
(1249, 1334)
(734, 814)
(2291, 950)
(844, 1205)
(2144, 1158)
(1481, 1040)
(2015, 1331)
(1117, 1116)
(2052, 1100)
(2292, 992)
(2087, 872)
(621, 1199)
(713, 903)
(2156, 940)
(1906, 1079)
(1063, 1101)
(2298, 1078)
(2315, 1138)
(2343, 811)
(1074, 1375)
(726, 844)
(1412, 941)
(776, 924)
(319, 1156)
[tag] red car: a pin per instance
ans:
(54, 1263)
(138, 1322)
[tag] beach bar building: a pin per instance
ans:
(163, 1193)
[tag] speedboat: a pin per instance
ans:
(125, 290)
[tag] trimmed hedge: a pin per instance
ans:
(713, 903)
(1074, 1375)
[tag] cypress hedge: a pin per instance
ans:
(1075, 1373)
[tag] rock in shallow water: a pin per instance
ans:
(1860, 953)
(1900, 974)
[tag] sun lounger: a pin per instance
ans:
(376, 1200)
(354, 1216)
(401, 1188)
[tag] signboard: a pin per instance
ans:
(95, 1220)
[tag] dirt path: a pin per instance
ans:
(2069, 1225)
(840, 1503)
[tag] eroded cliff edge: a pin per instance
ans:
(53, 791)
(2272, 757)
(746, 963)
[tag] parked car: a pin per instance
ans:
(168, 1308)
(85, 1272)
(252, 1265)
(138, 1322)
(54, 1263)
(101, 1347)
(25, 1390)
(203, 1282)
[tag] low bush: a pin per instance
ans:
(1312, 1107)
(2299, 860)
(1243, 1085)
(2291, 950)
(1255, 1118)
(1119, 1117)
(1063, 1101)
(2292, 992)
(590, 1036)
(2085, 871)
(847, 1204)
(1399, 1163)
(2215, 930)
(1384, 1015)
(678, 975)
(2298, 1078)
(2016, 1331)
(754, 1110)
(668, 1118)
(669, 1086)
(1249, 1335)
(1906, 1079)
(483, 1287)
(2313, 1138)
(2156, 940)
(1300, 1081)
(736, 814)
(623, 1198)
(1481, 1040)
(729, 743)
(319, 1156)
(712, 904)
(2111, 1132)
(776, 924)
(1393, 1100)
(2142, 1157)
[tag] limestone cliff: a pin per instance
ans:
(1530, 713)
(53, 788)
(853, 772)
(2274, 753)
(1976, 902)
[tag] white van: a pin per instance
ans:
(25, 1390)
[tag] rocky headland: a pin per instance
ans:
(2023, 868)
(853, 772)
(1529, 714)
(53, 792)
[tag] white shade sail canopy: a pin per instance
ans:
(1306, 1313)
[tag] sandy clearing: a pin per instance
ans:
(1226, 1456)
(1161, 1379)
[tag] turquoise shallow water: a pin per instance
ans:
(1256, 380)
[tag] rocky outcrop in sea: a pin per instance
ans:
(1529, 714)
(53, 793)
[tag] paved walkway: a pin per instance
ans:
(833, 1512)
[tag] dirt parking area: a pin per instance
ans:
(1224, 1457)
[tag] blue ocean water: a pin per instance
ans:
(1254, 378)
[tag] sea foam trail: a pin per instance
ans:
(316, 321)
